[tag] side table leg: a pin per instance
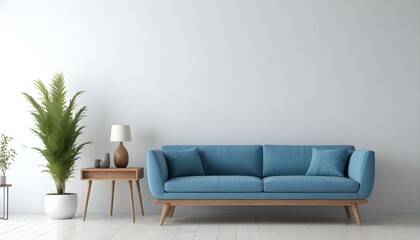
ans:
(139, 193)
(132, 200)
(7, 206)
(112, 196)
(4, 204)
(87, 199)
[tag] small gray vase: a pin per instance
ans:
(98, 163)
(106, 161)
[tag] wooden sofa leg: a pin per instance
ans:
(356, 213)
(171, 212)
(347, 211)
(165, 211)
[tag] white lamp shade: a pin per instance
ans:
(120, 133)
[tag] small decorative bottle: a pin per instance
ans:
(98, 163)
(106, 161)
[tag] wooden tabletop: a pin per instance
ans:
(127, 169)
(5, 185)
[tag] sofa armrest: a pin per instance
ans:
(362, 170)
(157, 173)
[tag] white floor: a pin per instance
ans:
(101, 226)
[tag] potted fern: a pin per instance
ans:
(57, 124)
(7, 156)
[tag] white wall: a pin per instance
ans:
(219, 72)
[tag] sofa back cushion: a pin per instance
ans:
(184, 163)
(291, 159)
(228, 159)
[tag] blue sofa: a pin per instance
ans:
(265, 175)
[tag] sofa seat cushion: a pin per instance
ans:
(310, 184)
(214, 184)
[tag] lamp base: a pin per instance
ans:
(121, 156)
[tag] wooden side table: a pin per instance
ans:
(130, 174)
(5, 200)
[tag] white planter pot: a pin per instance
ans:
(2, 180)
(60, 206)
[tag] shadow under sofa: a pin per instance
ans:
(260, 175)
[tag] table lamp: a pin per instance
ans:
(120, 133)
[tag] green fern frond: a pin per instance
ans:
(57, 124)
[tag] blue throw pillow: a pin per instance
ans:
(328, 162)
(184, 163)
